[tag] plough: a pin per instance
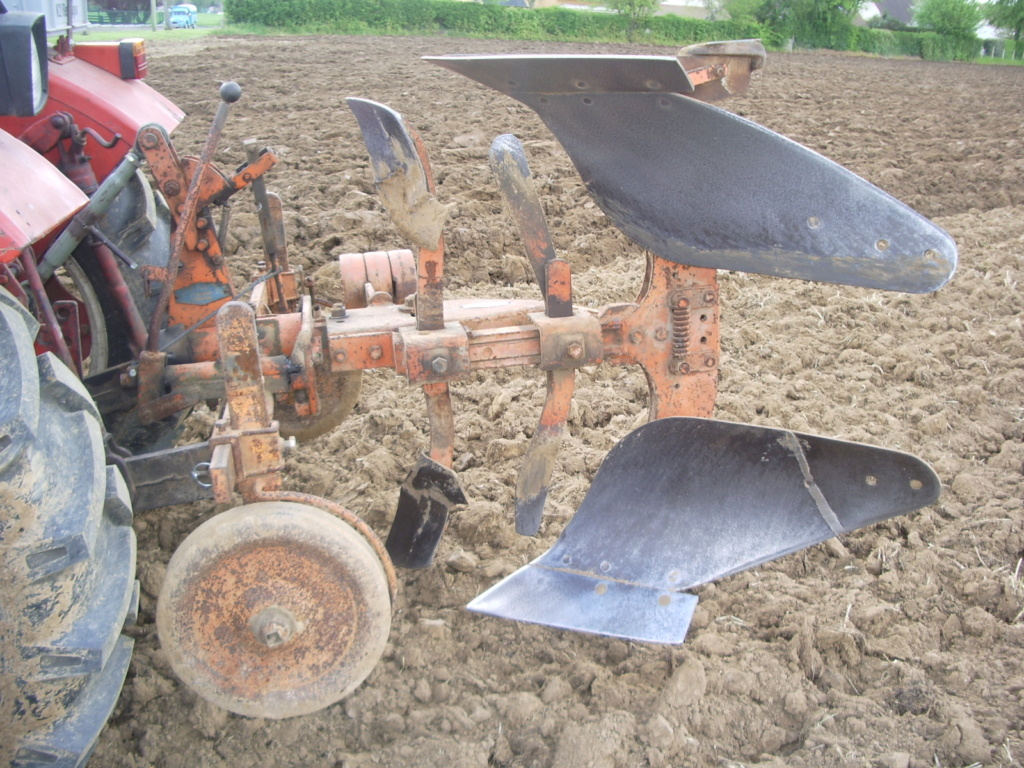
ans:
(281, 606)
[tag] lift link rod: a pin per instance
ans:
(271, 244)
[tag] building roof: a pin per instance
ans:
(901, 10)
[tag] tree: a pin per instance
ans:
(1008, 14)
(637, 12)
(123, 11)
(712, 8)
(741, 10)
(812, 23)
(957, 18)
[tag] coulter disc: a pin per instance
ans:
(338, 395)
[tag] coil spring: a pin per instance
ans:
(680, 331)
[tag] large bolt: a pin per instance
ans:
(376, 353)
(575, 350)
(439, 365)
(273, 626)
(679, 301)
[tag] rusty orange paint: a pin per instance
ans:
(352, 267)
(403, 273)
(277, 335)
(442, 423)
(378, 274)
(429, 263)
(243, 375)
(672, 332)
(347, 516)
(274, 609)
(201, 282)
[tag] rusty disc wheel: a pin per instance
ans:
(338, 395)
(274, 609)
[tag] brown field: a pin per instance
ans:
(899, 648)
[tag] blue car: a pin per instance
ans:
(183, 16)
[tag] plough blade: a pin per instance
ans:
(512, 170)
(424, 501)
(700, 186)
(684, 501)
(401, 179)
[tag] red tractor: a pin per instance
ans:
(74, 209)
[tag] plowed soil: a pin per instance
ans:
(898, 646)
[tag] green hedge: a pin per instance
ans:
(924, 45)
(471, 19)
(475, 20)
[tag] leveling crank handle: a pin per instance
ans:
(230, 92)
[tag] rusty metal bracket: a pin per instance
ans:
(429, 357)
(672, 332)
(248, 451)
(568, 342)
(308, 351)
(722, 69)
(249, 459)
(155, 404)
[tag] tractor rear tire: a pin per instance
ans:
(138, 224)
(67, 559)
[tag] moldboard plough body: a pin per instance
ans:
(282, 605)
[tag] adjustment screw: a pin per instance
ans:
(338, 311)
